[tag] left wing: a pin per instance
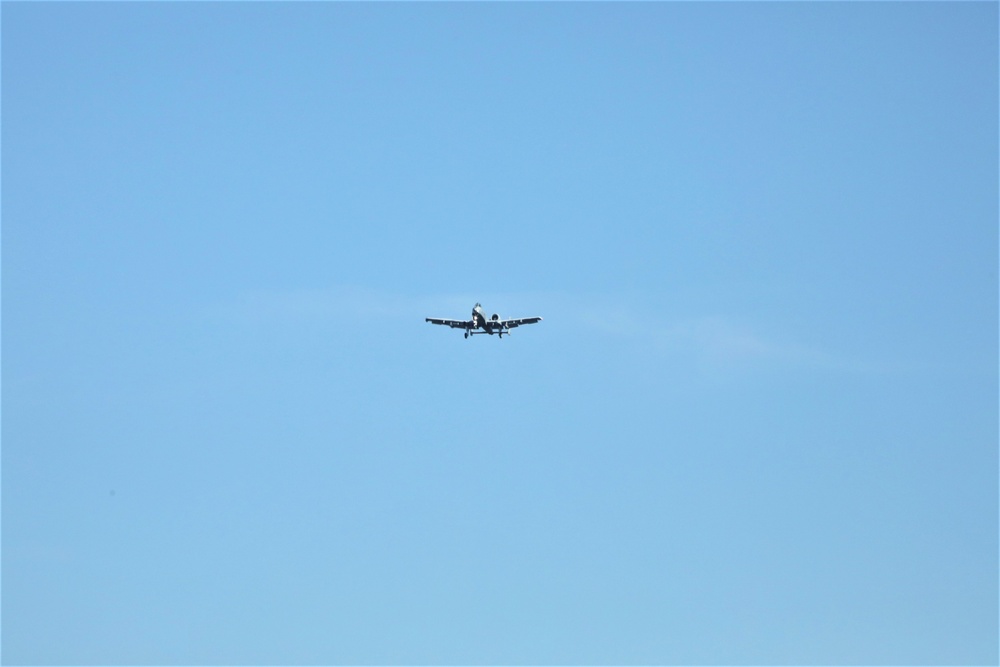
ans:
(518, 321)
(454, 324)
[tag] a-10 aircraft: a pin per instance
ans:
(480, 325)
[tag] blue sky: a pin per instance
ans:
(758, 424)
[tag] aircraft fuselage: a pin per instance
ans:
(480, 321)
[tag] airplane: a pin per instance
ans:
(491, 326)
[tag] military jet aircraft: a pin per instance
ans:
(493, 325)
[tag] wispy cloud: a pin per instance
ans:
(375, 304)
(725, 342)
(320, 304)
(715, 342)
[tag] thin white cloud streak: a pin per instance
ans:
(716, 342)
(373, 305)
(319, 304)
(722, 342)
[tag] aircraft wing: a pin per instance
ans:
(454, 324)
(518, 321)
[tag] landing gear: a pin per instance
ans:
(466, 334)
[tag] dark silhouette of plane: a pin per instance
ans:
(480, 325)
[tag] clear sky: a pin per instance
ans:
(758, 424)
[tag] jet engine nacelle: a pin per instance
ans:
(495, 318)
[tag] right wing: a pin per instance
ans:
(518, 321)
(454, 324)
